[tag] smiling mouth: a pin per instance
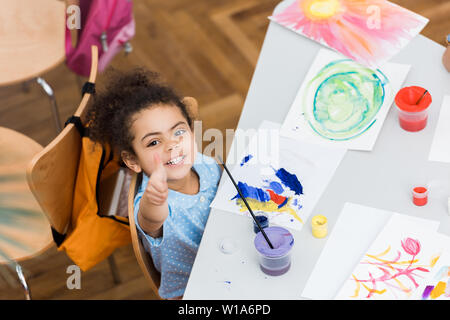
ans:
(176, 160)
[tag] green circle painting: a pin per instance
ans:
(342, 101)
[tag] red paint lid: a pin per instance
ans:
(407, 97)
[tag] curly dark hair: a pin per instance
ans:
(127, 93)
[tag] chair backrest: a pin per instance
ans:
(142, 256)
(51, 174)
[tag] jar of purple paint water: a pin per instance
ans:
(276, 261)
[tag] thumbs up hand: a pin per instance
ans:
(157, 189)
(154, 210)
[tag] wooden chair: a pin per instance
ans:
(143, 257)
(32, 42)
(24, 229)
(51, 174)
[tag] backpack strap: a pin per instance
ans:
(88, 87)
(58, 238)
(77, 122)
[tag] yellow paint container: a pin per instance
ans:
(319, 226)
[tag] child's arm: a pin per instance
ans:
(153, 209)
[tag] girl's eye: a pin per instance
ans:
(153, 143)
(180, 132)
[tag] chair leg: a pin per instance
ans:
(49, 91)
(23, 282)
(114, 270)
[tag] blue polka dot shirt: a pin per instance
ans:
(173, 254)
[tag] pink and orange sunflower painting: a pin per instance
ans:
(367, 31)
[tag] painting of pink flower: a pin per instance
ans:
(367, 31)
(411, 246)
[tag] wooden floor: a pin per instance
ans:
(207, 49)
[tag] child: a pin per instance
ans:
(151, 128)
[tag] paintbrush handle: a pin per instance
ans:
(247, 205)
(423, 95)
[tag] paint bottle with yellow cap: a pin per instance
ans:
(319, 226)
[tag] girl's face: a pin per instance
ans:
(163, 129)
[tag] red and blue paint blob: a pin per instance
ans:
(260, 194)
(271, 197)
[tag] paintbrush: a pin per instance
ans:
(246, 204)
(423, 95)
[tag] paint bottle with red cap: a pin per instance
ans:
(412, 105)
(420, 195)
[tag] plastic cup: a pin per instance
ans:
(319, 225)
(276, 261)
(420, 196)
(412, 116)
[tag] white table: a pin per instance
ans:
(397, 162)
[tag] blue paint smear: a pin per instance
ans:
(252, 192)
(276, 187)
(297, 204)
(289, 180)
(246, 159)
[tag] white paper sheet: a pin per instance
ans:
(440, 147)
(343, 103)
(437, 284)
(312, 165)
(353, 232)
(396, 263)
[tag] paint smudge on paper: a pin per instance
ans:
(275, 186)
(297, 204)
(442, 287)
(273, 198)
(246, 159)
(252, 192)
(427, 291)
(289, 180)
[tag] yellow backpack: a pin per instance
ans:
(92, 235)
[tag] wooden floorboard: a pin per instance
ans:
(207, 49)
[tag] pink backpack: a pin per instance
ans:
(109, 25)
